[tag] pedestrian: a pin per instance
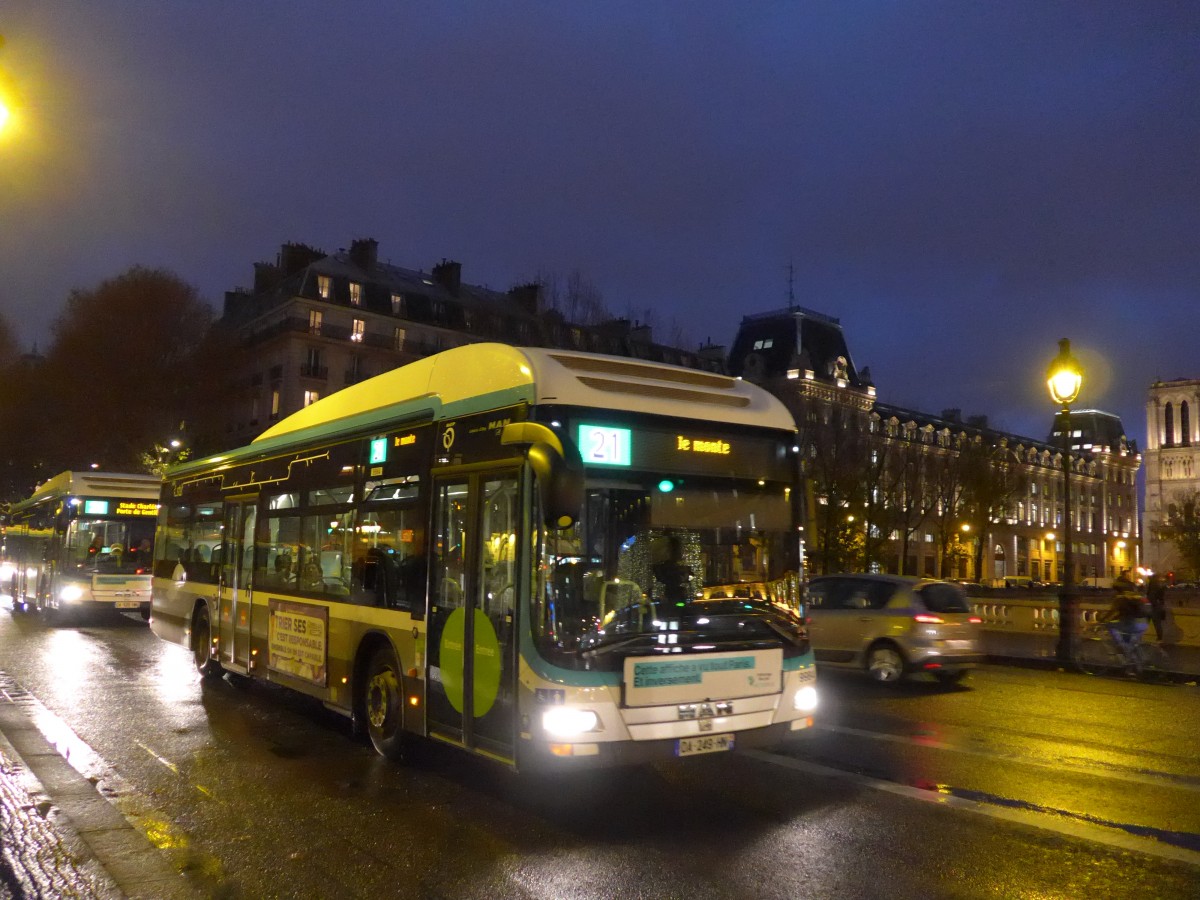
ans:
(1156, 593)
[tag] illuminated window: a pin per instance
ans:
(274, 404)
(355, 294)
(357, 330)
(311, 397)
(398, 342)
(315, 318)
(398, 304)
(765, 344)
(324, 286)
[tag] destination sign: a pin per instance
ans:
(707, 450)
(136, 508)
(120, 508)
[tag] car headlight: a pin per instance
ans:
(564, 722)
(69, 593)
(805, 699)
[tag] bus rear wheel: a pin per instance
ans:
(383, 704)
(207, 665)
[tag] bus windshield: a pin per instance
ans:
(109, 545)
(654, 570)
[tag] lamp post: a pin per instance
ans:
(1064, 378)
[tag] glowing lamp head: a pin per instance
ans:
(1064, 377)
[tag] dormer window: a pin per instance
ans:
(355, 294)
(324, 286)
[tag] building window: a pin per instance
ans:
(275, 404)
(357, 330)
(315, 318)
(1185, 426)
(1169, 426)
(311, 397)
(355, 294)
(398, 342)
(324, 286)
(397, 304)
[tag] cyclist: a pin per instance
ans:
(1127, 620)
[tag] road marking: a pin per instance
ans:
(166, 762)
(1156, 779)
(1111, 834)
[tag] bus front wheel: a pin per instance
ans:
(383, 703)
(202, 646)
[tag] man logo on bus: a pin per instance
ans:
(448, 436)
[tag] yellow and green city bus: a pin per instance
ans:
(82, 542)
(548, 558)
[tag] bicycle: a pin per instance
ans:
(1098, 652)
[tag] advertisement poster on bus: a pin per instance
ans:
(298, 640)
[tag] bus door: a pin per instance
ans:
(233, 586)
(472, 633)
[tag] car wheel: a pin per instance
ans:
(207, 665)
(885, 664)
(383, 703)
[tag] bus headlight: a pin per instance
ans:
(69, 593)
(563, 722)
(805, 699)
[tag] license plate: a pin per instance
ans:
(706, 743)
(127, 604)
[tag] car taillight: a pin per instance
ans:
(928, 620)
(975, 620)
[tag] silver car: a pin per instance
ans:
(892, 626)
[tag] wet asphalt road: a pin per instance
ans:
(1024, 784)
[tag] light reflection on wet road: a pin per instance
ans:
(1044, 785)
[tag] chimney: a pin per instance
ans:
(294, 257)
(640, 334)
(710, 352)
(528, 296)
(448, 274)
(266, 276)
(364, 252)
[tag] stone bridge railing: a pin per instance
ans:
(1038, 614)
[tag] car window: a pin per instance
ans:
(944, 598)
(879, 593)
(849, 593)
(819, 595)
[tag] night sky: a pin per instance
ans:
(960, 183)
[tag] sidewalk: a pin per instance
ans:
(1024, 648)
(59, 838)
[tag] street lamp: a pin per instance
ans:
(1064, 378)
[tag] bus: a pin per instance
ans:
(548, 558)
(83, 542)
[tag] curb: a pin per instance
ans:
(67, 840)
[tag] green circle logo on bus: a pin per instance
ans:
(487, 659)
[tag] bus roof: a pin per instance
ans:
(478, 377)
(94, 484)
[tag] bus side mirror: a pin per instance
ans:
(558, 469)
(61, 521)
